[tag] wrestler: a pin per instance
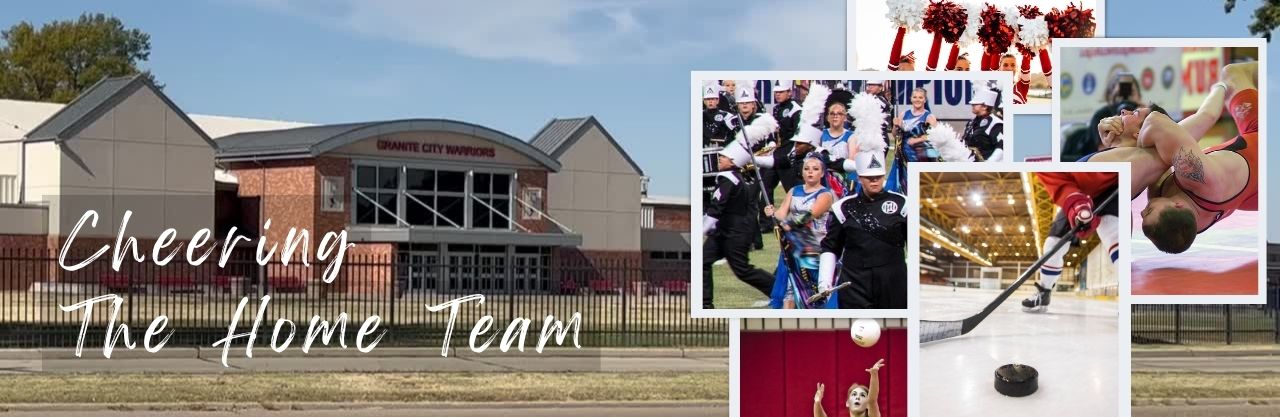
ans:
(1207, 185)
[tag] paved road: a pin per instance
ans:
(1241, 410)
(1208, 364)
(552, 411)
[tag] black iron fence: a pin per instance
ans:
(620, 302)
(1208, 323)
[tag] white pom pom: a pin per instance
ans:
(1033, 33)
(868, 122)
(970, 35)
(906, 13)
(1011, 16)
(945, 140)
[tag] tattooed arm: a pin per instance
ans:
(1194, 171)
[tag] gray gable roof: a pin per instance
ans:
(556, 133)
(311, 141)
(560, 134)
(95, 101)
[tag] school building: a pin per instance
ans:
(420, 191)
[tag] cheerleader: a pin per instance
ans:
(862, 401)
(803, 218)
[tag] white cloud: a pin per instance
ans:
(561, 32)
(796, 35)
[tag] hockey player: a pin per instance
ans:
(869, 232)
(1076, 194)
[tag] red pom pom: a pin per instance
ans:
(945, 18)
(995, 33)
(1074, 22)
(1029, 11)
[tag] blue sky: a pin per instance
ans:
(515, 65)
(507, 65)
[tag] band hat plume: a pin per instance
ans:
(811, 115)
(868, 123)
(946, 141)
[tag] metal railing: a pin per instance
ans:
(1208, 323)
(622, 302)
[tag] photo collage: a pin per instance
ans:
(883, 245)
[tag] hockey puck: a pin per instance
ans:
(1016, 380)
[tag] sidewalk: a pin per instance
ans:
(209, 361)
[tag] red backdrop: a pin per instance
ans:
(781, 370)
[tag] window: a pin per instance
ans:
(493, 190)
(432, 197)
(439, 190)
(381, 185)
(666, 255)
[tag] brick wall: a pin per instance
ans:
(529, 178)
(673, 218)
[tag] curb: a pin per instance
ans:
(318, 406)
(1202, 353)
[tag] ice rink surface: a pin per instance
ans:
(1075, 347)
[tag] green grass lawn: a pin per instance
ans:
(1200, 385)
(364, 387)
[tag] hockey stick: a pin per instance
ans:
(931, 331)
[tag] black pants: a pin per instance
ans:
(732, 245)
(883, 286)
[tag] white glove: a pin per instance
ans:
(763, 161)
(849, 166)
(996, 156)
(826, 271)
(709, 224)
